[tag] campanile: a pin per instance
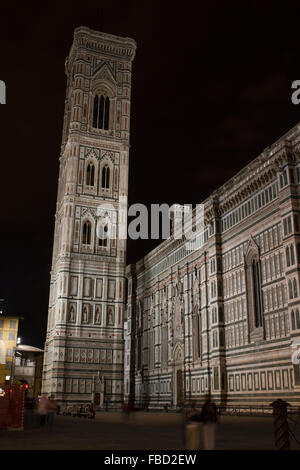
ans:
(84, 346)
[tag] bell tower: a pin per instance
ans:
(84, 343)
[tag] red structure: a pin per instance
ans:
(12, 406)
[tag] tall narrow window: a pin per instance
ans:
(101, 112)
(90, 175)
(102, 241)
(287, 253)
(254, 292)
(105, 177)
(293, 320)
(257, 293)
(196, 333)
(292, 255)
(86, 233)
(298, 253)
(295, 288)
(106, 113)
(290, 289)
(297, 319)
(95, 111)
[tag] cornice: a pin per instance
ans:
(107, 44)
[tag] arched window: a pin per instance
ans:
(257, 293)
(290, 289)
(196, 334)
(106, 113)
(102, 240)
(298, 253)
(295, 287)
(101, 112)
(254, 292)
(293, 320)
(287, 254)
(90, 175)
(292, 254)
(86, 233)
(297, 319)
(105, 177)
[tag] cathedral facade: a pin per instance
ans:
(84, 344)
(223, 318)
(217, 314)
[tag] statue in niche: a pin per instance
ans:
(85, 315)
(101, 388)
(72, 313)
(98, 315)
(110, 320)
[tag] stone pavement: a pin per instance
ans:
(141, 431)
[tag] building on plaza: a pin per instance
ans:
(223, 318)
(217, 314)
(9, 325)
(27, 368)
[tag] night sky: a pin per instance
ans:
(211, 89)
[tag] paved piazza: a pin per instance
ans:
(142, 431)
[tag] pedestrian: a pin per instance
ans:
(208, 417)
(42, 409)
(91, 411)
(192, 428)
(51, 409)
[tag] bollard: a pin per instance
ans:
(282, 437)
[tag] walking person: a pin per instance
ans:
(42, 409)
(51, 409)
(91, 411)
(193, 429)
(209, 417)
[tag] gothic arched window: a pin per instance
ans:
(86, 233)
(295, 288)
(292, 254)
(197, 333)
(297, 319)
(254, 292)
(257, 293)
(102, 241)
(101, 112)
(298, 253)
(90, 175)
(287, 254)
(290, 289)
(105, 177)
(293, 320)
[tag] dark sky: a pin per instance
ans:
(211, 89)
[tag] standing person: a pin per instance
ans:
(193, 429)
(91, 411)
(51, 409)
(42, 409)
(209, 419)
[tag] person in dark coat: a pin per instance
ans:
(209, 418)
